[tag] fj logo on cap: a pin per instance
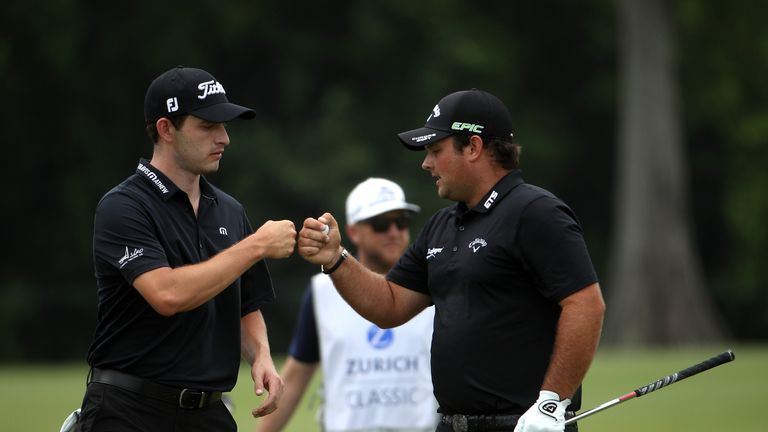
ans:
(172, 104)
(459, 126)
(209, 88)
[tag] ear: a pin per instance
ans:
(165, 129)
(475, 148)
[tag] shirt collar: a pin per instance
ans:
(492, 198)
(165, 187)
(207, 191)
(161, 184)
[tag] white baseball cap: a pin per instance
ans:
(374, 197)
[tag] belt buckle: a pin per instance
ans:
(459, 423)
(201, 403)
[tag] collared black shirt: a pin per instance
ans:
(145, 223)
(496, 273)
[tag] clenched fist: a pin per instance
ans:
(277, 239)
(318, 246)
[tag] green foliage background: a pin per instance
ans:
(332, 84)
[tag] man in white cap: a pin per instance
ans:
(374, 379)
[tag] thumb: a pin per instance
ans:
(258, 385)
(328, 219)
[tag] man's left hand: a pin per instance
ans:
(265, 377)
(546, 415)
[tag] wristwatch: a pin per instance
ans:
(342, 257)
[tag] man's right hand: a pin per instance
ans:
(276, 238)
(316, 247)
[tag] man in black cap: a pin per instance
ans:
(180, 275)
(518, 307)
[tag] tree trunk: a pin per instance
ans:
(656, 293)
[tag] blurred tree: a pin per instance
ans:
(658, 293)
(332, 86)
(726, 114)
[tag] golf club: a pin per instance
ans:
(722, 358)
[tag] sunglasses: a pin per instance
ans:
(381, 223)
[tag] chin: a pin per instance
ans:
(210, 169)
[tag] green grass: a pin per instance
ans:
(38, 397)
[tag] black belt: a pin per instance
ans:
(477, 423)
(184, 398)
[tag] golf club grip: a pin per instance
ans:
(723, 357)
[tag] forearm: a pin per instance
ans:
(382, 302)
(373, 297)
(578, 334)
(174, 290)
(254, 341)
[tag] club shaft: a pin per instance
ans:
(604, 406)
(717, 360)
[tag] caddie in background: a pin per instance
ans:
(518, 307)
(374, 379)
(180, 276)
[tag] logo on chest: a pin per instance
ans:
(432, 252)
(476, 244)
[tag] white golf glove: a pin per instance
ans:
(546, 415)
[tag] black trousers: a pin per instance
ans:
(107, 408)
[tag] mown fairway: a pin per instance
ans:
(38, 397)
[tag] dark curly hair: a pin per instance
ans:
(506, 153)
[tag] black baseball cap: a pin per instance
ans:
(467, 112)
(184, 90)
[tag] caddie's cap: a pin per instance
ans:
(374, 197)
(467, 112)
(184, 90)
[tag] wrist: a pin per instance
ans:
(548, 395)
(336, 263)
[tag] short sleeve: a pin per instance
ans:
(124, 238)
(552, 244)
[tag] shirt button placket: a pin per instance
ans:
(460, 229)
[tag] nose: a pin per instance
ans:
(222, 137)
(426, 164)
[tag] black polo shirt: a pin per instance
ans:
(496, 273)
(144, 223)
